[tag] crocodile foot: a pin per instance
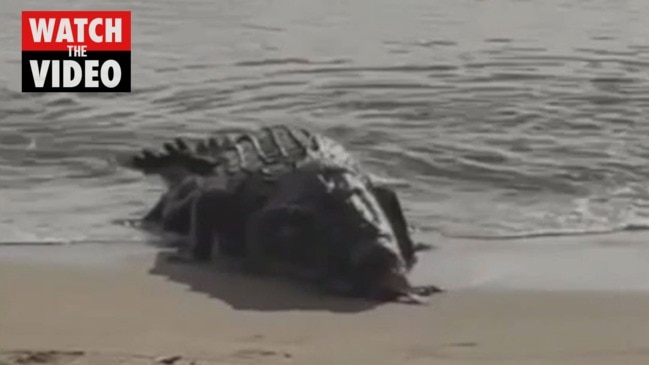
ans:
(421, 246)
(426, 290)
(184, 256)
(180, 258)
(418, 295)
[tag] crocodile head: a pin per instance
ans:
(329, 219)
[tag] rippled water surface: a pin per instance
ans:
(494, 117)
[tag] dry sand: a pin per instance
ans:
(135, 308)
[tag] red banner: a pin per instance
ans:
(57, 30)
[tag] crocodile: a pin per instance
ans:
(285, 200)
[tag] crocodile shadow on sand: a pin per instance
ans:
(221, 279)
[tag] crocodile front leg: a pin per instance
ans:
(271, 248)
(389, 202)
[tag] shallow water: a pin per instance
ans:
(495, 117)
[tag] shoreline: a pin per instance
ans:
(130, 306)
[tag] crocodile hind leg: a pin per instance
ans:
(211, 218)
(172, 212)
(176, 216)
(389, 201)
(154, 216)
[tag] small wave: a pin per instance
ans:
(67, 242)
(276, 61)
(631, 227)
(262, 27)
(154, 236)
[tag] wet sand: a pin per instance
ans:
(129, 305)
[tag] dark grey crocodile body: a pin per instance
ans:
(284, 199)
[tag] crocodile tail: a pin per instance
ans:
(270, 145)
(175, 156)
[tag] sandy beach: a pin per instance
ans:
(121, 304)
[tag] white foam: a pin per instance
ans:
(608, 263)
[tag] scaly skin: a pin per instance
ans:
(331, 222)
(286, 200)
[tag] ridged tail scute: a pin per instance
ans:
(176, 155)
(268, 149)
(232, 153)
